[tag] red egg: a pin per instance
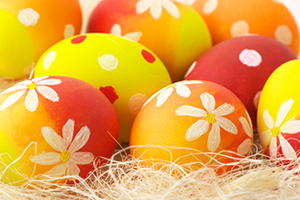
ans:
(54, 126)
(242, 65)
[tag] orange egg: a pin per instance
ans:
(232, 18)
(47, 22)
(190, 117)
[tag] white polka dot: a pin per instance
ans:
(210, 6)
(136, 102)
(239, 28)
(190, 69)
(69, 31)
(245, 147)
(28, 17)
(256, 99)
(284, 35)
(251, 58)
(108, 62)
(48, 60)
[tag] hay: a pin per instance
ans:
(123, 177)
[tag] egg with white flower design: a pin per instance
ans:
(125, 71)
(268, 18)
(45, 22)
(166, 27)
(278, 117)
(242, 65)
(52, 127)
(188, 116)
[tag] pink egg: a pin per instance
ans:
(242, 65)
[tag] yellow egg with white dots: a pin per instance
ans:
(278, 118)
(125, 71)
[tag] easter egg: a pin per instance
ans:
(125, 71)
(278, 119)
(46, 23)
(242, 65)
(54, 126)
(231, 18)
(16, 50)
(174, 31)
(190, 122)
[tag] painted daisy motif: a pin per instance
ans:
(275, 130)
(34, 86)
(209, 116)
(156, 7)
(67, 158)
(180, 88)
(134, 36)
(245, 147)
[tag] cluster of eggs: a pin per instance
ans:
(188, 75)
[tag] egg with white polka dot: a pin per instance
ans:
(125, 71)
(189, 121)
(243, 65)
(172, 29)
(45, 22)
(232, 18)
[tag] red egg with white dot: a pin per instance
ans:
(232, 18)
(54, 127)
(189, 121)
(125, 71)
(242, 65)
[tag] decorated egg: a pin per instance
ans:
(16, 49)
(54, 126)
(278, 119)
(44, 22)
(125, 71)
(269, 18)
(189, 117)
(242, 65)
(173, 30)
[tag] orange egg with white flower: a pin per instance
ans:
(189, 117)
(42, 136)
(166, 27)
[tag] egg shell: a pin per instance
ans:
(16, 50)
(187, 117)
(175, 32)
(278, 119)
(242, 65)
(54, 126)
(269, 18)
(125, 71)
(46, 23)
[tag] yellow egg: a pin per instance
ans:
(16, 50)
(125, 71)
(278, 112)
